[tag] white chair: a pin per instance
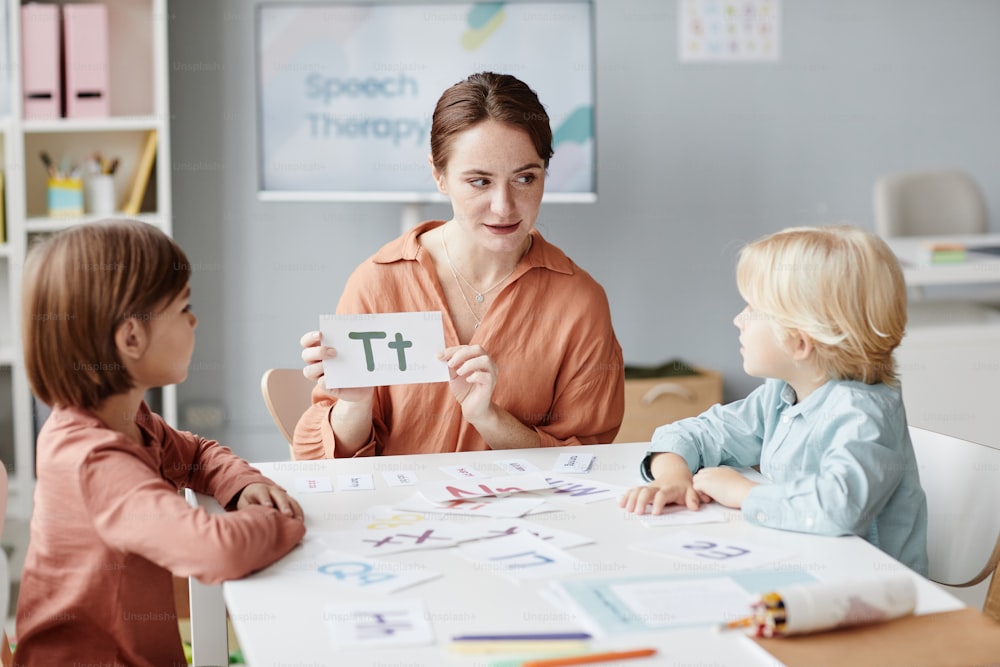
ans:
(963, 508)
(209, 629)
(287, 394)
(925, 203)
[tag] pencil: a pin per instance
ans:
(590, 658)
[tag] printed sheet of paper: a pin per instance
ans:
(440, 492)
(520, 556)
(383, 349)
(378, 623)
(581, 491)
(385, 541)
(727, 31)
(400, 477)
(368, 574)
(508, 507)
(313, 485)
(679, 515)
(573, 463)
(463, 472)
(356, 482)
(714, 553)
(517, 466)
(701, 601)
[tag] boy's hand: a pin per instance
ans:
(269, 495)
(724, 485)
(660, 494)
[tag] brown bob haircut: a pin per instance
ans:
(488, 96)
(79, 286)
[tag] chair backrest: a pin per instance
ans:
(925, 203)
(287, 394)
(963, 506)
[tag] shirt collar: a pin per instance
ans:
(812, 402)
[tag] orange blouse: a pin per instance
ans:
(108, 529)
(548, 331)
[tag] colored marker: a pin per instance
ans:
(591, 658)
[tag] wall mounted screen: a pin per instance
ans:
(346, 91)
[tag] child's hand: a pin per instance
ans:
(724, 485)
(270, 495)
(660, 494)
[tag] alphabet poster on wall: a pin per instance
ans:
(346, 92)
(729, 30)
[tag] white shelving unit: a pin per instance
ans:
(138, 76)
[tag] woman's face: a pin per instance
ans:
(495, 181)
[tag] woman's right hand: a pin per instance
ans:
(313, 353)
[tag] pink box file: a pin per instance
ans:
(85, 40)
(40, 61)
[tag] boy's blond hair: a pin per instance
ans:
(79, 286)
(840, 285)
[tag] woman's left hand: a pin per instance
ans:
(473, 379)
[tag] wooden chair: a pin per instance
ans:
(963, 521)
(6, 658)
(287, 394)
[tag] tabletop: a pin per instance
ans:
(281, 614)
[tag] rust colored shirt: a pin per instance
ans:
(548, 330)
(108, 529)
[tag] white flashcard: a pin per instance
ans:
(517, 466)
(385, 541)
(713, 553)
(371, 575)
(561, 539)
(463, 472)
(313, 485)
(440, 492)
(378, 623)
(582, 492)
(356, 482)
(383, 349)
(508, 507)
(573, 463)
(520, 556)
(680, 515)
(400, 477)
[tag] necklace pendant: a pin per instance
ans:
(479, 298)
(476, 325)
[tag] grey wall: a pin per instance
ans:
(693, 161)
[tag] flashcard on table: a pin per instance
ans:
(313, 485)
(573, 463)
(379, 623)
(520, 556)
(720, 554)
(385, 541)
(517, 466)
(582, 492)
(561, 539)
(400, 477)
(356, 482)
(440, 492)
(463, 472)
(383, 349)
(679, 515)
(509, 507)
(368, 574)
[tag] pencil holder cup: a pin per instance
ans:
(101, 195)
(65, 197)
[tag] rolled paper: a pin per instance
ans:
(826, 606)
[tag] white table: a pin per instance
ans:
(279, 620)
(978, 268)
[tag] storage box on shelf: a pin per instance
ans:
(135, 90)
(652, 402)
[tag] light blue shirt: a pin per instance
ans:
(840, 462)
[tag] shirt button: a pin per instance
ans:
(810, 522)
(785, 419)
(761, 517)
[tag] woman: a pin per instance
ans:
(530, 347)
